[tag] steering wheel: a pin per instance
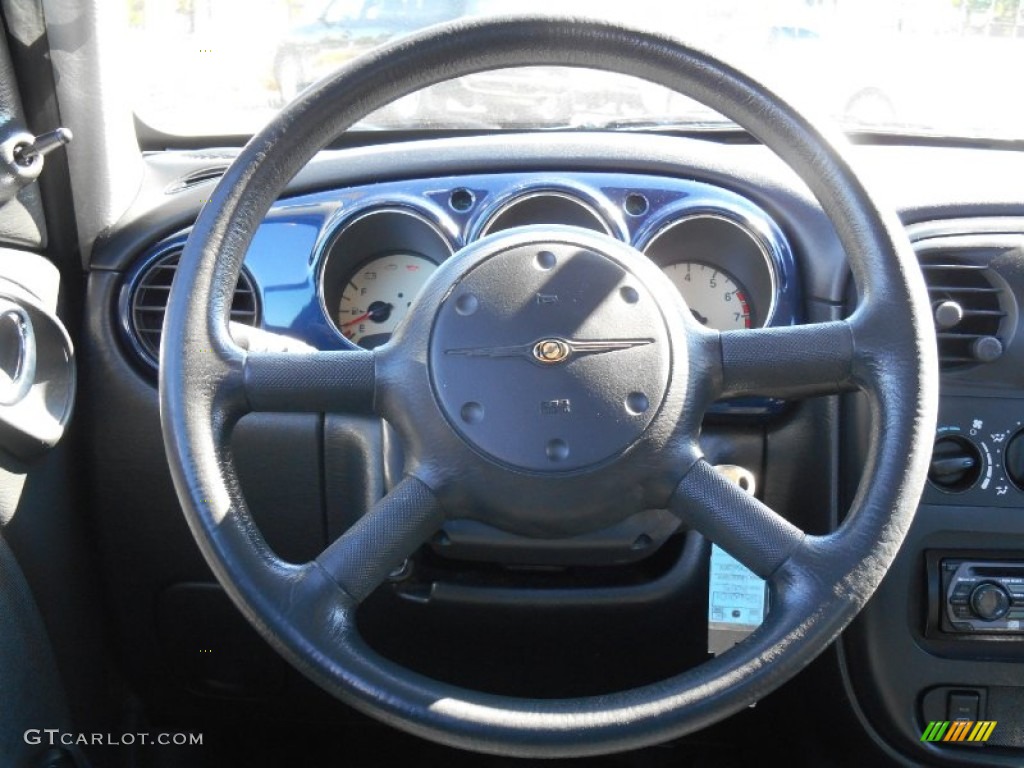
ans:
(468, 382)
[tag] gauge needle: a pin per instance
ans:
(700, 318)
(357, 319)
(378, 312)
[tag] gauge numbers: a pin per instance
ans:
(378, 296)
(713, 295)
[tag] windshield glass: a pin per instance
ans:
(946, 67)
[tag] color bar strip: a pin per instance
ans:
(935, 731)
(959, 730)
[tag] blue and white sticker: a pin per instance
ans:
(737, 601)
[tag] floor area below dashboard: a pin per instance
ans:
(776, 731)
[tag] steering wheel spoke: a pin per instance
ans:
(748, 530)
(360, 559)
(789, 362)
(310, 381)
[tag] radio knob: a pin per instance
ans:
(990, 601)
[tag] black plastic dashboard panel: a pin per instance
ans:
(902, 661)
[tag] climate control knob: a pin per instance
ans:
(989, 601)
(1014, 457)
(956, 464)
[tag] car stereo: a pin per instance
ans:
(983, 596)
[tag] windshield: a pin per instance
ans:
(945, 67)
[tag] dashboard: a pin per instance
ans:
(336, 264)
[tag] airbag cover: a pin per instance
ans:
(550, 357)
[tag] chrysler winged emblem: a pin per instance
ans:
(552, 351)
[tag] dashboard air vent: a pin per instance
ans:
(966, 307)
(147, 303)
(196, 177)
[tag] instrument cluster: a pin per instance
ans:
(726, 256)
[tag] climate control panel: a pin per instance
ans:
(978, 454)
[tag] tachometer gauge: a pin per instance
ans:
(377, 297)
(713, 295)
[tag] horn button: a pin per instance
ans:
(549, 357)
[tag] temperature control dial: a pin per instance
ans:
(1015, 459)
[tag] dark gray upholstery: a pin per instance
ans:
(31, 695)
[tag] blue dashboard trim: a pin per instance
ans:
(287, 251)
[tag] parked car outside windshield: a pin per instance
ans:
(938, 67)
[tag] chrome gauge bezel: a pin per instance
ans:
(600, 209)
(350, 264)
(761, 278)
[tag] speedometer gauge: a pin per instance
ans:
(714, 296)
(377, 297)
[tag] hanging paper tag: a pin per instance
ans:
(737, 597)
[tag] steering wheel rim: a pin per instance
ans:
(818, 583)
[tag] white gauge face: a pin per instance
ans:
(379, 295)
(713, 296)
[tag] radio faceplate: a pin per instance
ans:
(983, 596)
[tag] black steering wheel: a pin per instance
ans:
(462, 381)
